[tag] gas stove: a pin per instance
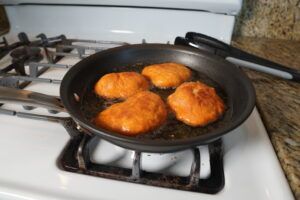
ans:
(46, 156)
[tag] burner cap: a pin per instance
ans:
(27, 54)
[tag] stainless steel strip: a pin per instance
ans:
(98, 41)
(82, 47)
(71, 54)
(41, 80)
(49, 65)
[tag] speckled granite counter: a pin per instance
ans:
(278, 102)
(270, 19)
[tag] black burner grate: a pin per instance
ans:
(75, 158)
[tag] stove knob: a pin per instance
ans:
(29, 107)
(53, 111)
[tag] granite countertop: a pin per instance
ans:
(278, 102)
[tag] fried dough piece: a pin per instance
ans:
(138, 114)
(121, 85)
(196, 104)
(167, 75)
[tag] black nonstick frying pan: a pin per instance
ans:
(78, 99)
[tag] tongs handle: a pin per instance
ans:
(237, 56)
(245, 59)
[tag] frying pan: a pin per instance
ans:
(76, 96)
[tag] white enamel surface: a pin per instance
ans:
(29, 151)
(123, 24)
(217, 6)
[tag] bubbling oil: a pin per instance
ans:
(172, 129)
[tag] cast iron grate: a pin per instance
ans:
(75, 158)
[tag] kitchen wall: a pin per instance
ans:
(279, 19)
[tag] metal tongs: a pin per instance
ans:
(237, 56)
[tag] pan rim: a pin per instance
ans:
(192, 141)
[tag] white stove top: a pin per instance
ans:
(29, 149)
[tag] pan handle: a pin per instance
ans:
(31, 99)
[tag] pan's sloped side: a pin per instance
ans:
(81, 77)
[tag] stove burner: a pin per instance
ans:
(27, 54)
(76, 158)
(24, 55)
